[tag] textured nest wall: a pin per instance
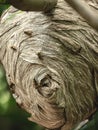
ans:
(51, 63)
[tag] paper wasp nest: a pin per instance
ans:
(51, 64)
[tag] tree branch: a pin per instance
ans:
(31, 5)
(45, 5)
(85, 11)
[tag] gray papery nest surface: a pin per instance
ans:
(51, 64)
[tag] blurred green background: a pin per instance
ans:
(11, 116)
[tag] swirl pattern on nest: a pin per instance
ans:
(51, 64)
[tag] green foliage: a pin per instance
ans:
(2, 8)
(92, 124)
(11, 116)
